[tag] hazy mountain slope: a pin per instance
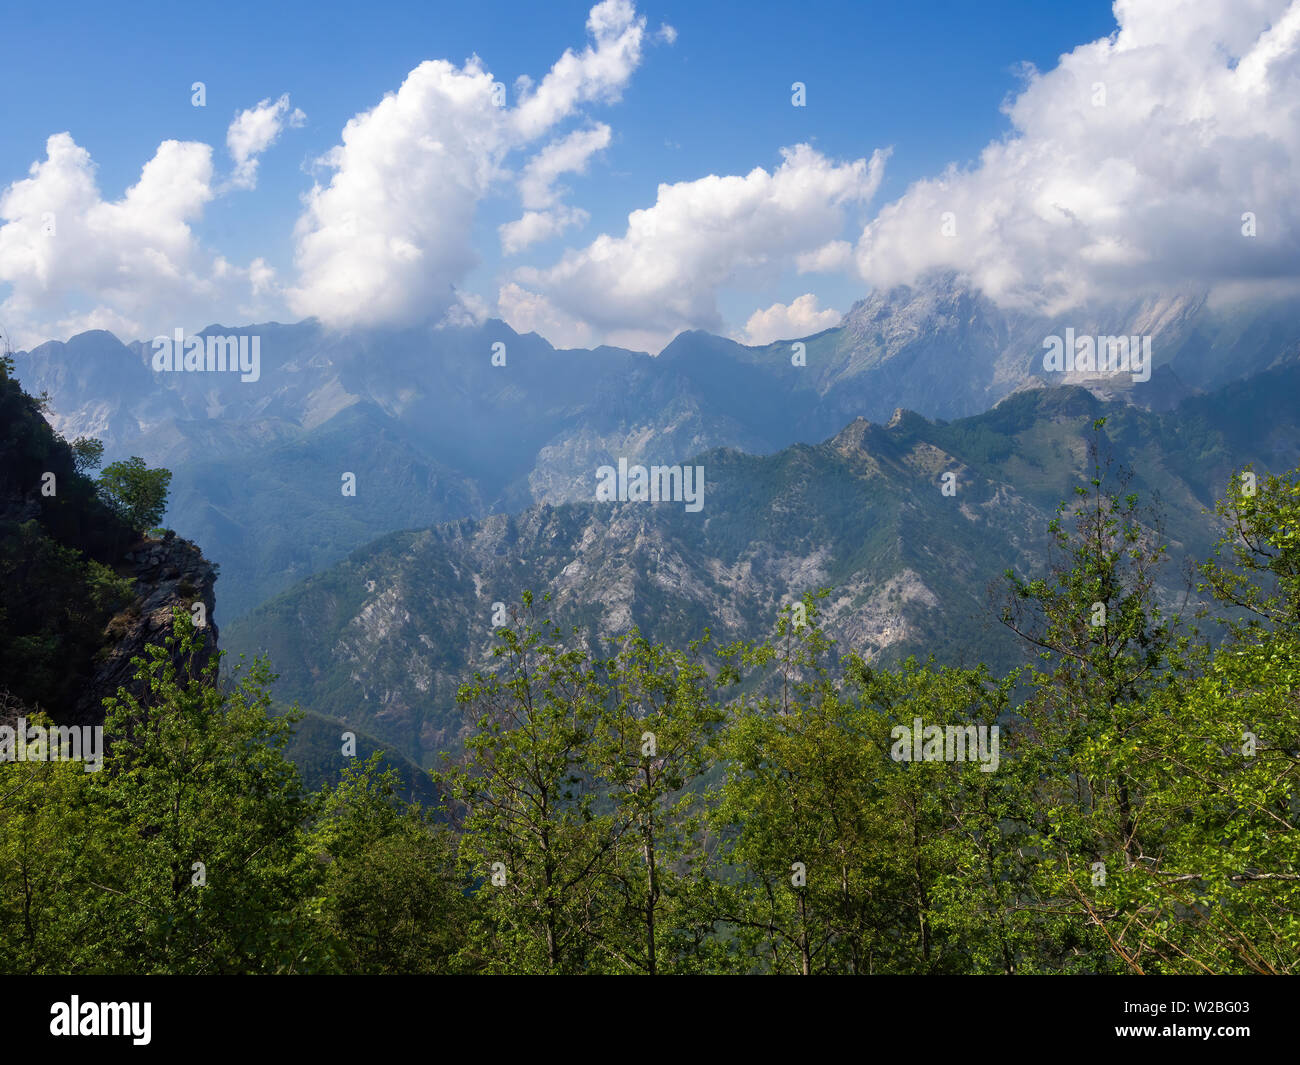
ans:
(316, 748)
(383, 639)
(283, 516)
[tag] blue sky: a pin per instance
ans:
(924, 80)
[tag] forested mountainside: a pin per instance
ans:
(383, 639)
(763, 807)
(799, 800)
(83, 591)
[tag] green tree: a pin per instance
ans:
(55, 842)
(792, 809)
(1224, 894)
(392, 899)
(55, 607)
(649, 754)
(1163, 825)
(136, 492)
(184, 853)
(1214, 756)
(948, 869)
(842, 858)
(1220, 890)
(533, 834)
(210, 871)
(1105, 646)
(87, 454)
(1255, 569)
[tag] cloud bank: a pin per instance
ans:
(664, 273)
(1145, 160)
(1161, 157)
(75, 260)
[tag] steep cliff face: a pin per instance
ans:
(166, 574)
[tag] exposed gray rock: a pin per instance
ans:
(168, 573)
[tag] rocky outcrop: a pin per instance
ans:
(168, 573)
(81, 594)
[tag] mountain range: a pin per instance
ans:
(435, 430)
(911, 555)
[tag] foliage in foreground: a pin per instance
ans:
(737, 809)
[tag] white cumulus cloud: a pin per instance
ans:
(833, 257)
(663, 275)
(535, 226)
(800, 318)
(545, 216)
(390, 234)
(74, 260)
(569, 155)
(253, 131)
(599, 72)
(389, 237)
(1129, 166)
